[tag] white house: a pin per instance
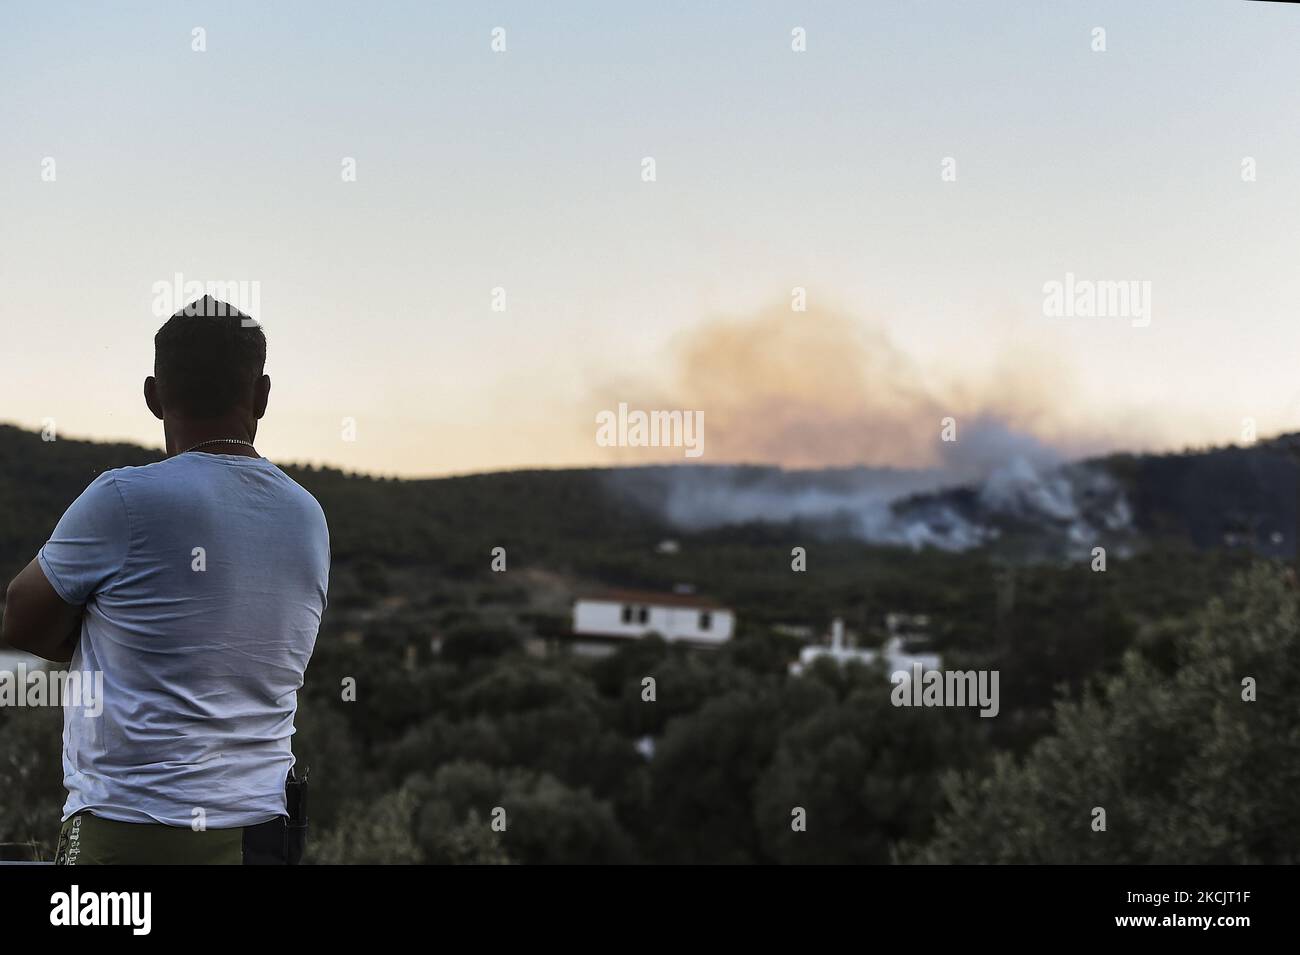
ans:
(893, 655)
(616, 615)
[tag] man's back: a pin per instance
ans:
(204, 578)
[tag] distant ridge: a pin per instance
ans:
(1234, 497)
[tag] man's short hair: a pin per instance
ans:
(207, 359)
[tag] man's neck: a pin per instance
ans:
(219, 436)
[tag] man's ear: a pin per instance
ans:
(262, 395)
(151, 397)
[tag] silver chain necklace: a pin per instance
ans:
(220, 441)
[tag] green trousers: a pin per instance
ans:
(88, 840)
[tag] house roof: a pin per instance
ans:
(654, 598)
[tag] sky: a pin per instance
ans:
(774, 169)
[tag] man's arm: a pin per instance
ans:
(37, 619)
(83, 556)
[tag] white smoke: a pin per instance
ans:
(992, 479)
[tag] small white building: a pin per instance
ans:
(617, 615)
(892, 655)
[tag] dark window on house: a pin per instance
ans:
(706, 620)
(643, 615)
(627, 614)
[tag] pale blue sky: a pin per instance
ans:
(775, 169)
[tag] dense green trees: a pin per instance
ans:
(1186, 769)
(420, 763)
(31, 781)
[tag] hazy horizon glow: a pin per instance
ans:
(775, 169)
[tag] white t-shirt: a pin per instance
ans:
(204, 578)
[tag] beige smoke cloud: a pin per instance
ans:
(824, 389)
